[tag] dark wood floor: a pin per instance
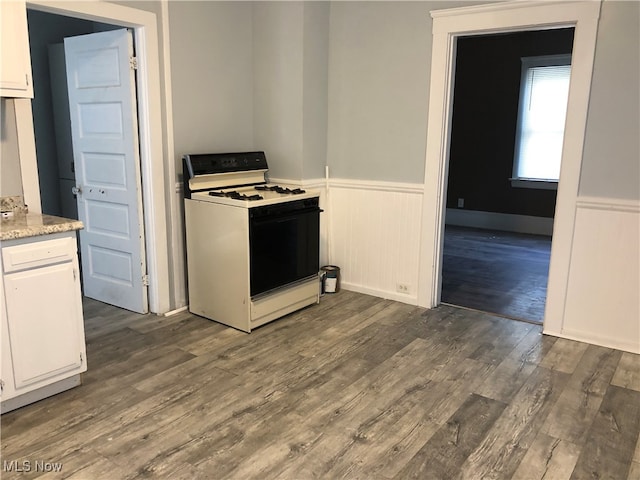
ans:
(356, 387)
(498, 272)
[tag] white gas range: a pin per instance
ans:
(252, 247)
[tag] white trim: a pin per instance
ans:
(500, 221)
(376, 185)
(176, 260)
(411, 299)
(504, 17)
(316, 183)
(509, 16)
(614, 204)
(176, 311)
(27, 153)
(150, 127)
(310, 183)
(352, 184)
(488, 8)
(601, 340)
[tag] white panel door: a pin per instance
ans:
(104, 132)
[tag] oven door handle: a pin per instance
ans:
(280, 217)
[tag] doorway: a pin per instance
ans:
(95, 148)
(152, 141)
(498, 232)
(450, 24)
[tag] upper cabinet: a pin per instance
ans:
(15, 71)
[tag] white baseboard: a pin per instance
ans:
(410, 299)
(314, 183)
(176, 311)
(595, 339)
(500, 221)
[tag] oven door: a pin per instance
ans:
(284, 244)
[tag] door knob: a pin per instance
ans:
(76, 190)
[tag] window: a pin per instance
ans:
(544, 92)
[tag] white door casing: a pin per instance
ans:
(495, 18)
(152, 140)
(104, 130)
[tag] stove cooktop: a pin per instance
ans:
(256, 195)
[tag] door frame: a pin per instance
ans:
(152, 167)
(512, 16)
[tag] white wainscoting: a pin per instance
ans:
(371, 230)
(374, 234)
(603, 294)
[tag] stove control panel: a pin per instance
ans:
(212, 163)
(198, 167)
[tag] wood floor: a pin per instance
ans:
(356, 387)
(498, 272)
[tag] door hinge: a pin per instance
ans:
(133, 62)
(81, 358)
(1, 386)
(145, 280)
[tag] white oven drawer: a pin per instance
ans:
(289, 299)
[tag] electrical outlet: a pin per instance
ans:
(402, 288)
(461, 203)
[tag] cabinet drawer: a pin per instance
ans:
(38, 254)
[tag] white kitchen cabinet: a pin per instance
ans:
(43, 344)
(15, 69)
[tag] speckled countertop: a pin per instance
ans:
(23, 225)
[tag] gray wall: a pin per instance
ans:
(611, 160)
(316, 88)
(378, 90)
(277, 83)
(290, 60)
(252, 76)
(10, 175)
(378, 82)
(380, 54)
(211, 76)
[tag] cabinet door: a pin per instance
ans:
(15, 70)
(5, 352)
(46, 331)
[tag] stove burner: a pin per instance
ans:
(236, 195)
(279, 189)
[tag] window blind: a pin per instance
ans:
(543, 110)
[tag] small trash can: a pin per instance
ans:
(330, 279)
